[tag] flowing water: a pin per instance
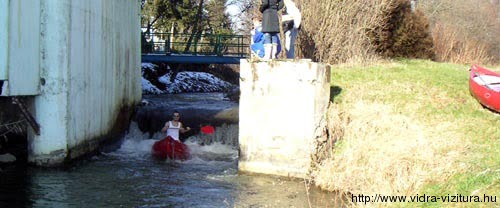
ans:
(130, 177)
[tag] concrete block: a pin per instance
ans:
(282, 114)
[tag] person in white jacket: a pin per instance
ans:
(291, 24)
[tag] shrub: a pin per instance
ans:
(336, 31)
(403, 34)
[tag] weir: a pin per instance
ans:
(283, 106)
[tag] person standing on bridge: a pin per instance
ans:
(271, 26)
(174, 126)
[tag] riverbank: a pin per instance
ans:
(158, 78)
(409, 127)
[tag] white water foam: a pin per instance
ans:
(137, 145)
(213, 154)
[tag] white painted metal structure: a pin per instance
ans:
(81, 58)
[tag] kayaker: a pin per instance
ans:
(174, 126)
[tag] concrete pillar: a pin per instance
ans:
(90, 67)
(282, 114)
(4, 34)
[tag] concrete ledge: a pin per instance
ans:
(282, 115)
(52, 159)
(86, 147)
(271, 169)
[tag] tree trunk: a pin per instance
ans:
(195, 27)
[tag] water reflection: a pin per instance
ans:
(14, 181)
(273, 191)
(49, 189)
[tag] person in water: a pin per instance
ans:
(174, 126)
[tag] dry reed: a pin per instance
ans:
(336, 31)
(380, 151)
(450, 46)
(465, 31)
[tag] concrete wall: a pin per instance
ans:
(4, 24)
(282, 114)
(90, 67)
(20, 47)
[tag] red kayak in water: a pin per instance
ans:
(170, 148)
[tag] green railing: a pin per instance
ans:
(196, 44)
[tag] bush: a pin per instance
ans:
(336, 31)
(403, 34)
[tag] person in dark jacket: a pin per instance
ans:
(271, 26)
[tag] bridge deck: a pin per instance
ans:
(194, 48)
(199, 59)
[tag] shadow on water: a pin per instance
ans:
(334, 92)
(13, 182)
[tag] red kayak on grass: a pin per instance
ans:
(484, 85)
(170, 148)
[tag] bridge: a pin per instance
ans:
(184, 48)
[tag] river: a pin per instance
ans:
(130, 177)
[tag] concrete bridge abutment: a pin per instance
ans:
(283, 107)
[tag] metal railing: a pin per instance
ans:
(196, 44)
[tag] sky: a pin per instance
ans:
(234, 13)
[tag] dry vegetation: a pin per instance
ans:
(362, 31)
(465, 31)
(336, 31)
(450, 46)
(385, 152)
(396, 130)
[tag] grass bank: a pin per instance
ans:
(409, 127)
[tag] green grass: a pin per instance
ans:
(434, 93)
